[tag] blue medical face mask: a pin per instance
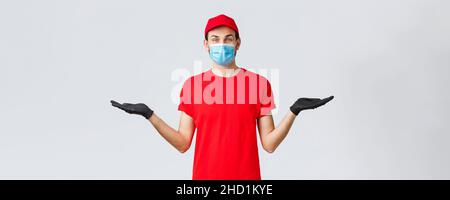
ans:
(222, 54)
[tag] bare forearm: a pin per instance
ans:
(169, 134)
(277, 135)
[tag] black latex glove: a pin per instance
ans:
(308, 103)
(139, 108)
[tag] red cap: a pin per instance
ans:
(220, 20)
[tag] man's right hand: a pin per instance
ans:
(139, 108)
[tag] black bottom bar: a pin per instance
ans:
(186, 189)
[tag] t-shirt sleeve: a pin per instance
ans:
(186, 104)
(266, 98)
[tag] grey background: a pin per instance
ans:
(387, 63)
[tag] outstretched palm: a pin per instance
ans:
(308, 103)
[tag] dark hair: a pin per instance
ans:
(236, 33)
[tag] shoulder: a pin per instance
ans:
(251, 73)
(198, 76)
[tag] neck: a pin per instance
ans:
(225, 71)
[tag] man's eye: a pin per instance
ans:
(229, 40)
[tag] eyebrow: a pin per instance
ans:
(225, 35)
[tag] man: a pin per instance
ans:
(224, 105)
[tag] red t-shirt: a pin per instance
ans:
(225, 112)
